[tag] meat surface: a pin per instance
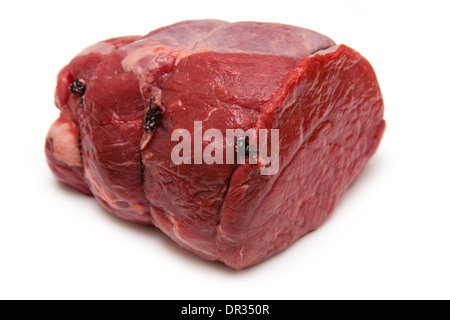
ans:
(122, 99)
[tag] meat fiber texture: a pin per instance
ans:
(323, 98)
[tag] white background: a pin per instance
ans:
(388, 238)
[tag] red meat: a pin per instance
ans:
(122, 99)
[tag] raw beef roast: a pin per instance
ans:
(121, 100)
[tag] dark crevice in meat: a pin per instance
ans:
(153, 117)
(243, 142)
(78, 87)
(79, 146)
(141, 161)
(142, 169)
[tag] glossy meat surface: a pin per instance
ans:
(323, 98)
